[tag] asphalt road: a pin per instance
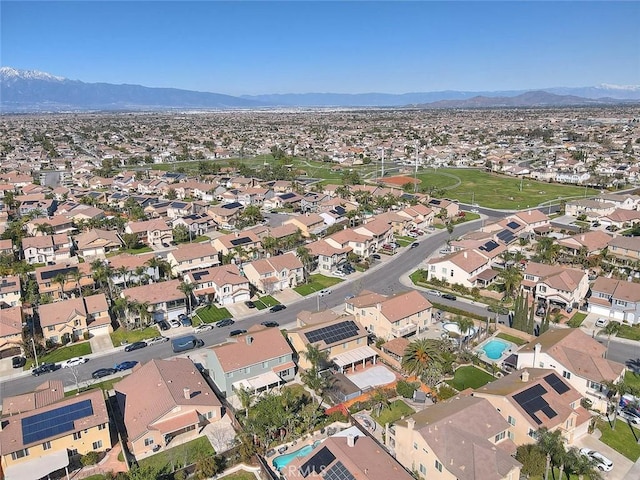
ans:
(383, 280)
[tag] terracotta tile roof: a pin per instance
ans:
(45, 394)
(190, 251)
(396, 346)
(155, 293)
(222, 275)
(321, 247)
(278, 263)
(404, 305)
(131, 262)
(61, 312)
(97, 237)
(366, 299)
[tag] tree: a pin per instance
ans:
(532, 459)
(131, 241)
(60, 279)
(465, 326)
(304, 254)
(511, 278)
(245, 397)
(181, 234)
(581, 465)
(171, 194)
(270, 244)
(187, 289)
(315, 356)
(419, 354)
(207, 466)
(551, 444)
(611, 328)
(380, 400)
(449, 228)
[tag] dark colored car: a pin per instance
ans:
(449, 296)
(415, 244)
(376, 256)
(18, 362)
(250, 304)
(270, 323)
(103, 372)
(184, 320)
(125, 365)
(235, 333)
(44, 368)
(277, 308)
(164, 325)
(135, 346)
(225, 322)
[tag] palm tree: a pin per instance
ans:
(551, 444)
(547, 250)
(123, 272)
(611, 328)
(419, 354)
(511, 278)
(77, 275)
(270, 244)
(305, 257)
(380, 400)
(187, 289)
(465, 325)
(163, 266)
(315, 356)
(60, 279)
(246, 397)
(581, 465)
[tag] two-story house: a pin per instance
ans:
(421, 216)
(11, 320)
(309, 224)
(46, 248)
(380, 231)
(463, 267)
(615, 298)
(10, 291)
(192, 256)
(225, 214)
(555, 284)
(274, 274)
(126, 269)
(196, 224)
(360, 244)
(165, 300)
(97, 243)
(60, 280)
(625, 248)
(589, 243)
(151, 232)
(223, 285)
(71, 319)
(244, 245)
(326, 256)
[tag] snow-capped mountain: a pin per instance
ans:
(8, 74)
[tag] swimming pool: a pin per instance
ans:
(494, 348)
(283, 460)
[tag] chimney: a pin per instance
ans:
(524, 376)
(465, 254)
(248, 339)
(378, 306)
(536, 355)
(411, 423)
(351, 440)
(582, 238)
(187, 393)
(237, 234)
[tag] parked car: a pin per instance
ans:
(339, 273)
(18, 362)
(324, 292)
(135, 346)
(449, 296)
(376, 256)
(601, 322)
(175, 323)
(412, 235)
(415, 245)
(225, 322)
(73, 362)
(277, 308)
(184, 319)
(155, 340)
(602, 462)
(629, 415)
(434, 292)
(270, 323)
(44, 368)
(125, 365)
(250, 304)
(188, 342)
(103, 372)
(349, 297)
(163, 325)
(235, 333)
(203, 327)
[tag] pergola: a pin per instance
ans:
(352, 357)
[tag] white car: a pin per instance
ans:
(72, 362)
(434, 292)
(175, 323)
(602, 462)
(203, 327)
(601, 322)
(324, 292)
(339, 273)
(154, 340)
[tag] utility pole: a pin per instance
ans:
(382, 168)
(318, 301)
(415, 173)
(35, 354)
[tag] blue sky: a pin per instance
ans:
(346, 47)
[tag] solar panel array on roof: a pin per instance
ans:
(198, 275)
(556, 383)
(54, 422)
(287, 196)
(240, 241)
(178, 204)
(506, 236)
(340, 210)
(513, 225)
(333, 333)
(338, 472)
(532, 402)
(317, 463)
(62, 271)
(434, 201)
(232, 205)
(489, 246)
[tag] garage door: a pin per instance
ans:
(599, 310)
(103, 330)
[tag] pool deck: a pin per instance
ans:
(511, 348)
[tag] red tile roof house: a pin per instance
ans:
(223, 285)
(327, 256)
(151, 232)
(46, 248)
(617, 299)
(192, 256)
(128, 269)
(72, 318)
(166, 301)
(360, 243)
(274, 274)
(461, 267)
(380, 230)
(164, 399)
(10, 291)
(555, 285)
(10, 328)
(97, 243)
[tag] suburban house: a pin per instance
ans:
(464, 438)
(57, 280)
(97, 243)
(621, 218)
(151, 232)
(441, 206)
(534, 398)
(593, 209)
(625, 202)
(196, 224)
(274, 274)
(223, 285)
(463, 267)
(182, 404)
(326, 256)
(625, 248)
(309, 224)
(256, 361)
(59, 224)
(11, 328)
(46, 248)
(575, 356)
(343, 338)
(35, 442)
(347, 455)
(360, 244)
(555, 284)
(225, 214)
(617, 299)
(10, 291)
(531, 219)
(421, 216)
(70, 319)
(289, 200)
(192, 256)
(380, 231)
(588, 243)
(401, 315)
(127, 269)
(165, 300)
(6, 247)
(242, 245)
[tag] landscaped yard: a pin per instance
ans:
(210, 314)
(510, 338)
(241, 475)
(316, 283)
(130, 336)
(180, 456)
(62, 353)
(469, 377)
(624, 439)
(577, 319)
(404, 241)
(627, 331)
(265, 302)
(105, 385)
(632, 379)
(395, 411)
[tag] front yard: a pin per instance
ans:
(210, 314)
(130, 336)
(62, 353)
(394, 412)
(469, 377)
(629, 332)
(624, 439)
(265, 302)
(316, 283)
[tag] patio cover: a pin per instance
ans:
(38, 467)
(354, 356)
(257, 382)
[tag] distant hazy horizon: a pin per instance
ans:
(253, 48)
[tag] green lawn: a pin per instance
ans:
(104, 385)
(627, 331)
(241, 475)
(577, 319)
(63, 353)
(136, 251)
(632, 379)
(210, 314)
(404, 241)
(394, 412)
(268, 301)
(624, 439)
(510, 338)
(182, 455)
(130, 336)
(497, 191)
(469, 377)
(316, 283)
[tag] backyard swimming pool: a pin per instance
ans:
(283, 460)
(494, 349)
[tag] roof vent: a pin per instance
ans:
(248, 339)
(351, 440)
(525, 376)
(187, 393)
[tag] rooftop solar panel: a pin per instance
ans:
(556, 383)
(178, 205)
(513, 225)
(506, 236)
(54, 422)
(489, 246)
(240, 241)
(338, 472)
(434, 201)
(62, 271)
(317, 463)
(333, 333)
(286, 196)
(531, 401)
(198, 275)
(232, 205)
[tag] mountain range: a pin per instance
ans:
(34, 91)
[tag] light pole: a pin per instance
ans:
(35, 354)
(318, 301)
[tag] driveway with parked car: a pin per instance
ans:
(621, 464)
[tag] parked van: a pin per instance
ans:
(189, 342)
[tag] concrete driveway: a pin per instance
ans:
(621, 464)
